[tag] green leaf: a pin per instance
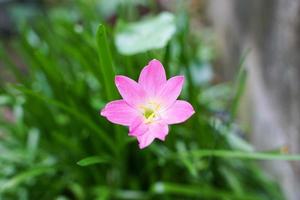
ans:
(131, 194)
(102, 192)
(24, 176)
(205, 191)
(240, 85)
(107, 70)
(240, 155)
(148, 34)
(106, 64)
(74, 112)
(92, 160)
(238, 143)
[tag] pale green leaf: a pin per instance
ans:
(148, 34)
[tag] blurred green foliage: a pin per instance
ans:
(54, 144)
(139, 37)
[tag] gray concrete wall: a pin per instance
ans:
(271, 29)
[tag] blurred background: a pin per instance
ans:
(241, 63)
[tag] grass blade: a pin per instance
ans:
(92, 160)
(22, 177)
(106, 64)
(73, 112)
(204, 191)
(240, 85)
(240, 155)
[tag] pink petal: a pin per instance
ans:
(160, 130)
(145, 140)
(171, 90)
(178, 112)
(152, 77)
(119, 112)
(155, 131)
(138, 127)
(130, 90)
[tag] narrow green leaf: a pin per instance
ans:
(75, 113)
(24, 176)
(106, 64)
(131, 194)
(92, 160)
(205, 191)
(108, 72)
(240, 155)
(240, 85)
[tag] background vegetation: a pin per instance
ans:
(54, 144)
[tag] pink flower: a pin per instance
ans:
(150, 105)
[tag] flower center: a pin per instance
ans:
(150, 112)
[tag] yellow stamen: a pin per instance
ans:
(150, 111)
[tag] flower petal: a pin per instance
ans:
(160, 130)
(138, 127)
(145, 139)
(155, 131)
(152, 77)
(178, 112)
(171, 90)
(119, 112)
(130, 90)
